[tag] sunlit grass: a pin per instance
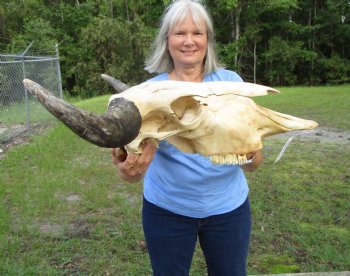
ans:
(19, 113)
(328, 105)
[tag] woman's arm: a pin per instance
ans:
(257, 158)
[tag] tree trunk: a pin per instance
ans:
(238, 11)
(127, 10)
(255, 58)
(111, 8)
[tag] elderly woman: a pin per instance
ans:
(185, 195)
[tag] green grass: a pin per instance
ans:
(300, 206)
(328, 105)
(17, 113)
(301, 210)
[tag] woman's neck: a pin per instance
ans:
(190, 74)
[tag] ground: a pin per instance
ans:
(321, 135)
(17, 134)
(82, 226)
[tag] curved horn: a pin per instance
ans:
(116, 84)
(116, 128)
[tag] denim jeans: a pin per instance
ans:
(171, 240)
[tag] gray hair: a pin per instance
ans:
(160, 60)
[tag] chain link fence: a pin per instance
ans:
(19, 111)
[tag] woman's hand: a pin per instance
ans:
(257, 158)
(132, 167)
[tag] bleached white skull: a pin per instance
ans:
(216, 119)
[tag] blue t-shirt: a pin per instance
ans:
(190, 184)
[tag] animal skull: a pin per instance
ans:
(215, 119)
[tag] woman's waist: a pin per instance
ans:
(196, 200)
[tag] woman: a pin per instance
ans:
(185, 195)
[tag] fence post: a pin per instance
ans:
(58, 70)
(25, 90)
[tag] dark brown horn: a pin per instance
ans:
(116, 128)
(116, 84)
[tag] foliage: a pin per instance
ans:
(296, 35)
(289, 42)
(335, 69)
(35, 29)
(114, 47)
(283, 58)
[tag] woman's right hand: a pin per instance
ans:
(132, 167)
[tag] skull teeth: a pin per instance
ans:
(229, 159)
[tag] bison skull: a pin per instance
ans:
(215, 119)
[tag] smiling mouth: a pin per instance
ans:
(189, 52)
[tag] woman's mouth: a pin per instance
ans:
(188, 53)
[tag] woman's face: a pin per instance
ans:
(187, 43)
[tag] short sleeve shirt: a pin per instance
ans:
(190, 184)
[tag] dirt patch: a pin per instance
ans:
(7, 134)
(319, 135)
(79, 228)
(11, 136)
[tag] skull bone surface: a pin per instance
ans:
(216, 119)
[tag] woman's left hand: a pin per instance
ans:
(132, 167)
(256, 160)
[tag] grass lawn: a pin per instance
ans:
(63, 210)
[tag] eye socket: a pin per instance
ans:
(185, 105)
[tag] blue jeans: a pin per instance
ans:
(171, 240)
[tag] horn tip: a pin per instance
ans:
(26, 81)
(105, 77)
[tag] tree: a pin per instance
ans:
(277, 42)
(37, 30)
(111, 46)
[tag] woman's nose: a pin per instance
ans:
(189, 40)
